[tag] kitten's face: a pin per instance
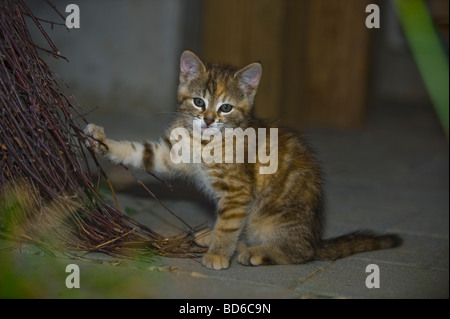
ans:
(216, 96)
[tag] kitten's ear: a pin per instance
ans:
(249, 77)
(190, 66)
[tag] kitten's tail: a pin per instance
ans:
(356, 242)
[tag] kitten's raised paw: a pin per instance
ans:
(203, 238)
(216, 262)
(96, 138)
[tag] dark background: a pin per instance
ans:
(322, 68)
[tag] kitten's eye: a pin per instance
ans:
(199, 102)
(225, 108)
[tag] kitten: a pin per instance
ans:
(265, 218)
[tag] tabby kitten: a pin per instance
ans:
(265, 218)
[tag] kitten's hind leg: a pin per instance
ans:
(263, 255)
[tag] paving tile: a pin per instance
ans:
(347, 279)
(279, 276)
(441, 261)
(431, 222)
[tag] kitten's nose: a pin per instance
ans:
(208, 120)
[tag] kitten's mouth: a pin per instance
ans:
(206, 127)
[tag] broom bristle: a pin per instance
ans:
(46, 195)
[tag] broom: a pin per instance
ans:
(47, 196)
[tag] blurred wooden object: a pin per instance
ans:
(439, 11)
(315, 56)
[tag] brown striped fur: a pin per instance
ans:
(265, 218)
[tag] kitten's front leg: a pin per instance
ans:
(150, 156)
(126, 153)
(225, 236)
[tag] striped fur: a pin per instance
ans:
(267, 218)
